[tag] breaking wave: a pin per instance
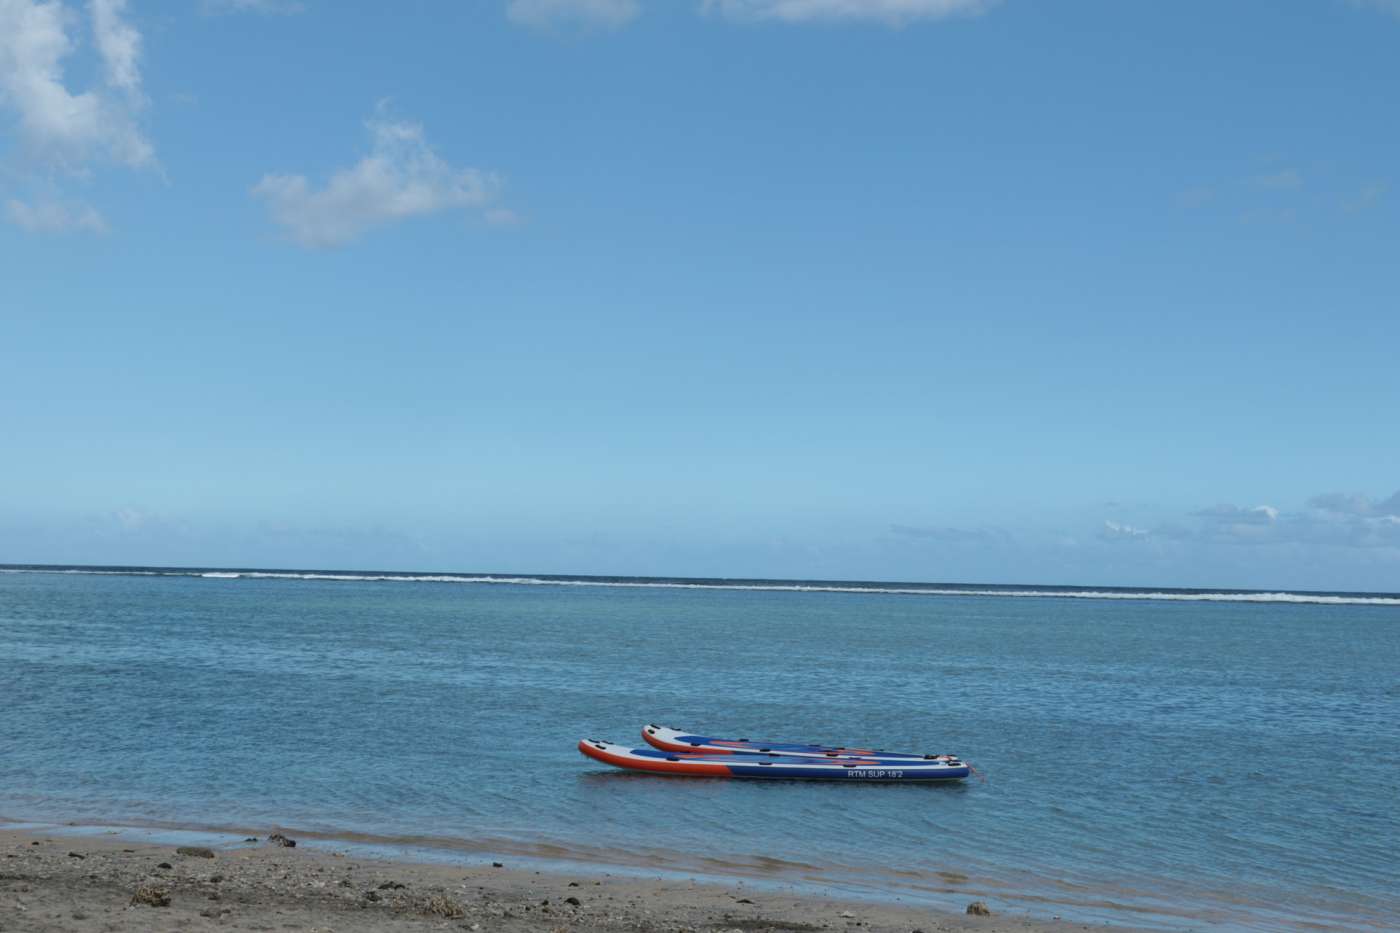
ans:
(776, 586)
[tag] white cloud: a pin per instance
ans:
(890, 12)
(549, 13)
(54, 217)
(63, 129)
(402, 177)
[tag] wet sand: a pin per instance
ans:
(109, 883)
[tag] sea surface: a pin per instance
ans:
(1181, 759)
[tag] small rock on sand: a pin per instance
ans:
(439, 906)
(195, 851)
(278, 839)
(979, 909)
(573, 900)
(151, 896)
(76, 855)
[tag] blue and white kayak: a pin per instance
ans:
(674, 740)
(772, 765)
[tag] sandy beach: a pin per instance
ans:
(110, 883)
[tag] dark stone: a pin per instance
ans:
(979, 909)
(371, 895)
(278, 839)
(493, 864)
(573, 900)
(195, 851)
(76, 855)
(573, 884)
(251, 839)
(215, 879)
(392, 886)
(165, 865)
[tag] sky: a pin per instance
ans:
(1030, 291)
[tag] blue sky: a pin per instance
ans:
(1025, 291)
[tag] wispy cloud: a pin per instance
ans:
(1287, 179)
(253, 6)
(949, 534)
(1240, 515)
(402, 177)
(48, 216)
(503, 217)
(889, 12)
(1369, 196)
(545, 14)
(1386, 6)
(1195, 197)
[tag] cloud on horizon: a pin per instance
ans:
(1234, 514)
(1345, 520)
(402, 177)
(1118, 531)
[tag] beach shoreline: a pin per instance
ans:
(57, 878)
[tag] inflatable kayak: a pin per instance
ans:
(772, 765)
(673, 740)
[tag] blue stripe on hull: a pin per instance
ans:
(891, 772)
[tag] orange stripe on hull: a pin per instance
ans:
(659, 766)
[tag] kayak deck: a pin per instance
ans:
(772, 765)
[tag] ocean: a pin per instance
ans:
(1171, 758)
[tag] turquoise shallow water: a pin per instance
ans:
(1238, 761)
